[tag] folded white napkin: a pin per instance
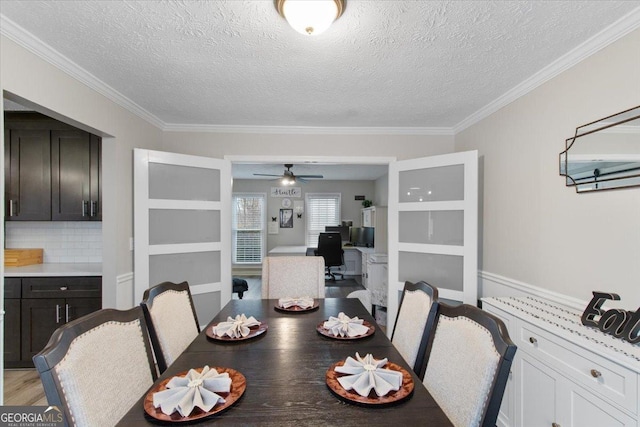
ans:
(302, 302)
(366, 374)
(344, 325)
(193, 390)
(235, 328)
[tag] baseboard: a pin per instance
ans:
(494, 285)
(124, 291)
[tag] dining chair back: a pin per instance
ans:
(292, 276)
(330, 248)
(364, 295)
(172, 320)
(416, 313)
(468, 360)
(96, 367)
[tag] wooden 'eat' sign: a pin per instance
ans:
(619, 323)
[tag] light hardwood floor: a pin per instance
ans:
(22, 387)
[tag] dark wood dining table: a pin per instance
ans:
(285, 370)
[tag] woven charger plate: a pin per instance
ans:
(254, 331)
(238, 386)
(351, 396)
(327, 333)
(296, 309)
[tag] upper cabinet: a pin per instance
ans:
(27, 175)
(52, 170)
(75, 172)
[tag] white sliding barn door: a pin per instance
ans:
(433, 226)
(182, 226)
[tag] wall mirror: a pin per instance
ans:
(605, 154)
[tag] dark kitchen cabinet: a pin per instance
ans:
(75, 176)
(12, 322)
(47, 303)
(52, 170)
(27, 175)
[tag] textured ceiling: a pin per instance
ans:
(382, 64)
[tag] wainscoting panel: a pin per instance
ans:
(124, 292)
(494, 285)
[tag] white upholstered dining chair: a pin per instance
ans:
(292, 276)
(96, 367)
(172, 320)
(364, 295)
(416, 313)
(469, 355)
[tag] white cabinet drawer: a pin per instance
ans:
(612, 382)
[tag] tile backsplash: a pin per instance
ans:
(62, 241)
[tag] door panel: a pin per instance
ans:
(194, 267)
(183, 182)
(445, 270)
(28, 175)
(78, 307)
(182, 210)
(432, 184)
(433, 226)
(71, 175)
(40, 318)
(168, 226)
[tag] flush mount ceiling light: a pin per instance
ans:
(310, 17)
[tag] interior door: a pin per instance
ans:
(182, 226)
(433, 227)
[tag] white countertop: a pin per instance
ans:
(57, 269)
(289, 250)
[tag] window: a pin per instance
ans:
(321, 209)
(248, 234)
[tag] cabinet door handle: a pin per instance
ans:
(84, 208)
(595, 373)
(57, 314)
(67, 312)
(63, 288)
(94, 208)
(10, 207)
(532, 340)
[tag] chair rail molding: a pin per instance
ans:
(494, 285)
(124, 291)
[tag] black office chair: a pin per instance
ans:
(330, 248)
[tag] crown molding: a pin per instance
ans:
(19, 35)
(613, 32)
(310, 130)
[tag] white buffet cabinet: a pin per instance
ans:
(565, 374)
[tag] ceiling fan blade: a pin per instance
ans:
(309, 176)
(265, 174)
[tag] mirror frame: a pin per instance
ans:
(588, 129)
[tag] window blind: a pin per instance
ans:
(321, 209)
(248, 232)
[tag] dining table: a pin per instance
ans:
(286, 368)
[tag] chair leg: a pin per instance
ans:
(240, 294)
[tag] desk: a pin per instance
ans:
(279, 395)
(288, 251)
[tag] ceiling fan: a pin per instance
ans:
(288, 178)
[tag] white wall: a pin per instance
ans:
(349, 209)
(38, 83)
(534, 229)
(220, 144)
